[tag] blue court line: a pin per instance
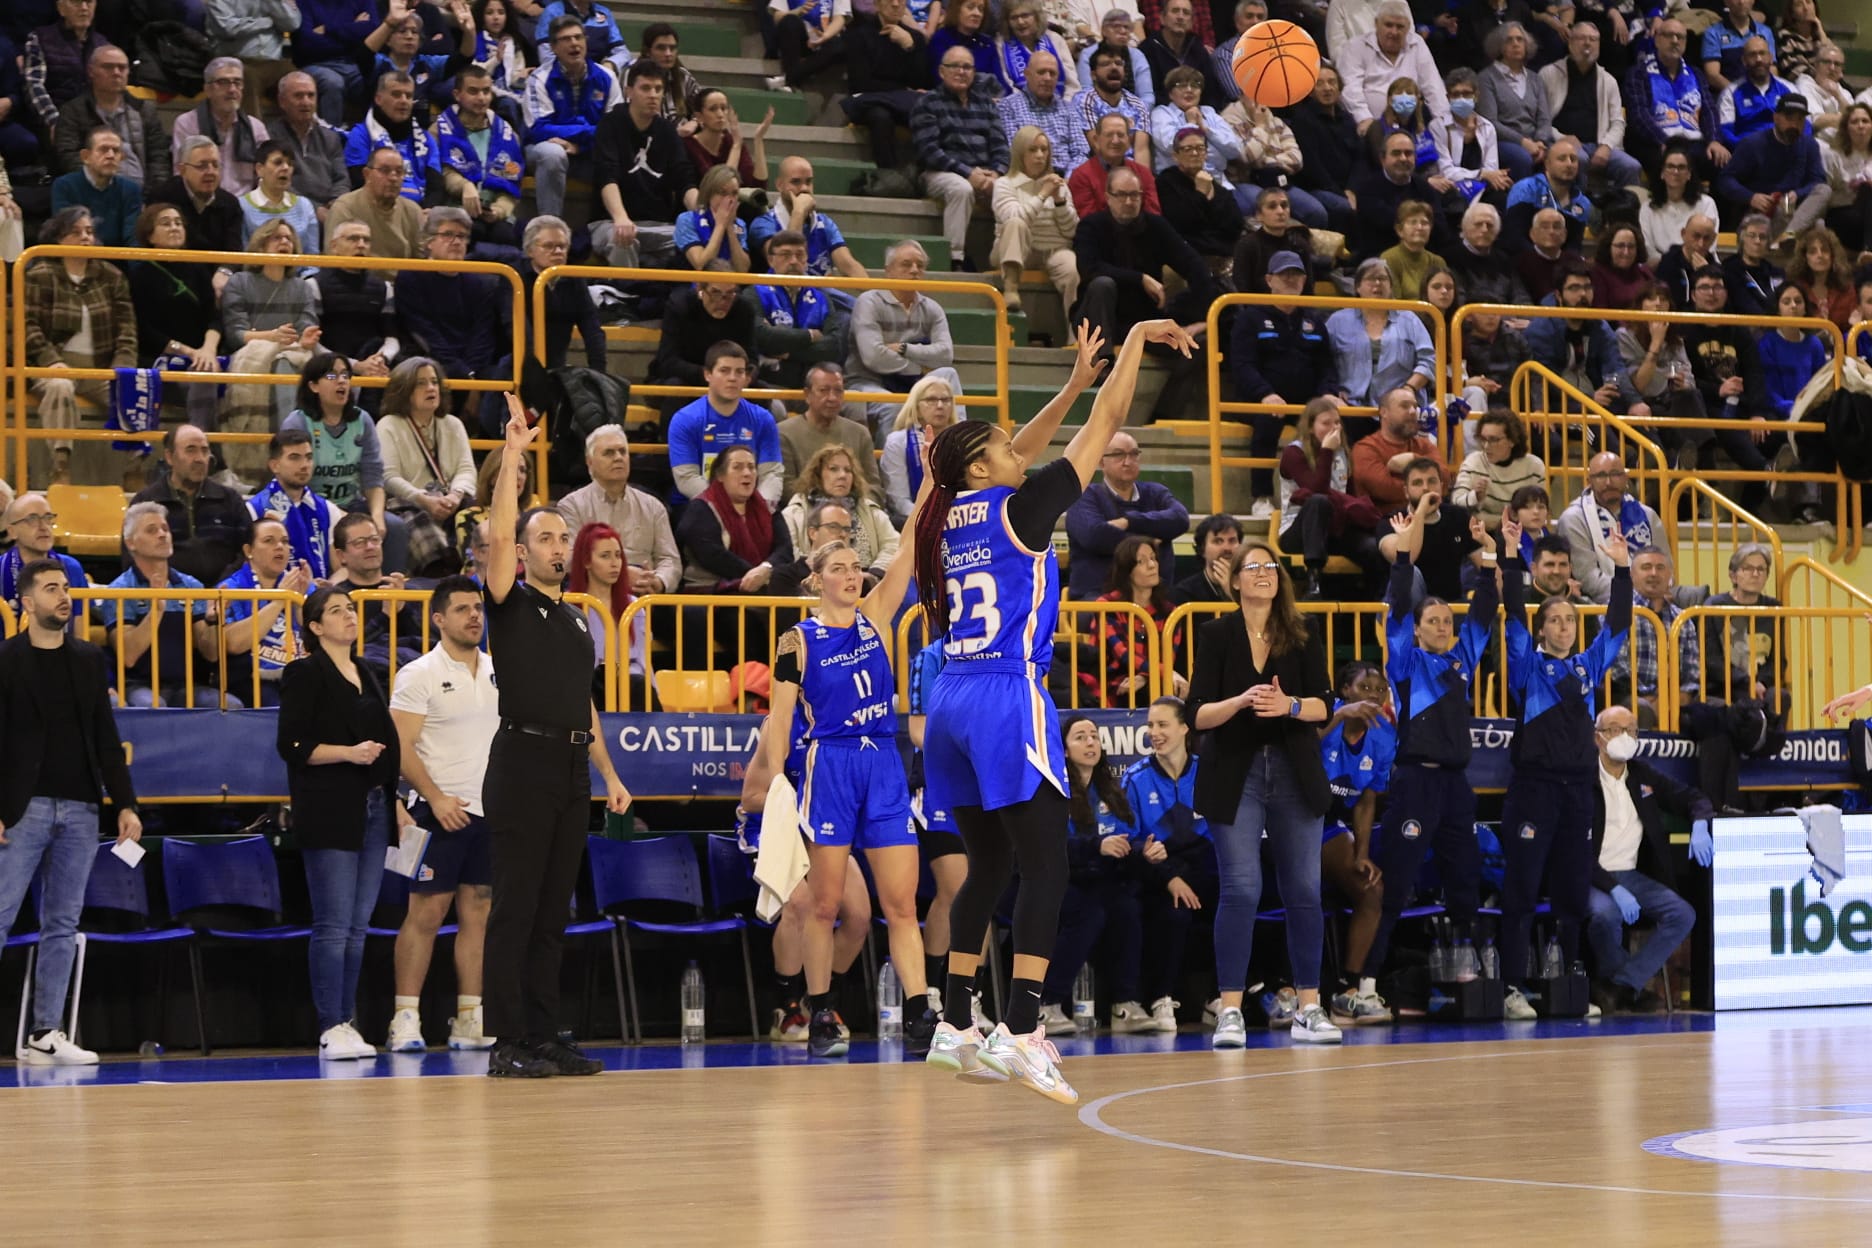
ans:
(725, 1055)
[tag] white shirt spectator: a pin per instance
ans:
(1624, 833)
(1369, 73)
(461, 713)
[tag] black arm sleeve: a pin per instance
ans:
(1040, 502)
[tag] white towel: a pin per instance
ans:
(1826, 841)
(782, 862)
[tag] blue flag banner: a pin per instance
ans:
(211, 755)
(136, 406)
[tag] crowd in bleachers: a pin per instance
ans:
(1589, 156)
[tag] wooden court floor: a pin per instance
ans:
(1518, 1142)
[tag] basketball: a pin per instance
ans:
(1276, 63)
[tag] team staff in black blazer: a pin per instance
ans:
(1260, 684)
(342, 760)
(62, 755)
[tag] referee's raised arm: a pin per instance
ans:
(503, 544)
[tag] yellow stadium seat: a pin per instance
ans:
(694, 691)
(90, 518)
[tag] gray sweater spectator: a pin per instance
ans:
(898, 336)
(1510, 94)
(317, 149)
(643, 524)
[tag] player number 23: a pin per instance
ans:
(974, 618)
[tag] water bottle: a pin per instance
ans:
(694, 1006)
(1551, 963)
(890, 1004)
(1085, 1009)
(1465, 961)
(1491, 960)
(1439, 956)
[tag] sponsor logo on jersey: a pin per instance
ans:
(1528, 831)
(1412, 829)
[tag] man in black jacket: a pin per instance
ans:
(1728, 373)
(1123, 251)
(644, 176)
(696, 319)
(1278, 353)
(210, 522)
(211, 217)
(1633, 873)
(1380, 190)
(63, 757)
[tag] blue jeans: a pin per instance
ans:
(339, 82)
(1672, 915)
(59, 838)
(1270, 802)
(343, 884)
(1515, 159)
(1620, 169)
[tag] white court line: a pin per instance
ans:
(1090, 1115)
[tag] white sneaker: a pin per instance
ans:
(465, 1031)
(54, 1049)
(1129, 1017)
(960, 1052)
(1032, 1060)
(405, 1032)
(778, 82)
(1593, 1010)
(360, 1047)
(1281, 1007)
(335, 1044)
(1230, 1031)
(1163, 1015)
(1312, 1026)
(1212, 1009)
(1263, 509)
(977, 1019)
(1358, 1009)
(1057, 1021)
(1515, 1008)
(935, 1001)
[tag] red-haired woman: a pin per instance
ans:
(598, 570)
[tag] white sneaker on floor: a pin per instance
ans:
(1212, 1009)
(1129, 1017)
(1263, 509)
(1231, 1032)
(777, 82)
(1515, 1008)
(465, 1031)
(1359, 1009)
(1057, 1021)
(1281, 1006)
(360, 1047)
(1312, 1026)
(335, 1044)
(1163, 1015)
(1032, 1060)
(54, 1049)
(1593, 1010)
(405, 1032)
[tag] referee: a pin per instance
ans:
(537, 792)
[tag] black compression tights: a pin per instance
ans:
(1030, 835)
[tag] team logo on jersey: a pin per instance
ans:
(1155, 800)
(1644, 790)
(1528, 831)
(448, 686)
(825, 829)
(1412, 829)
(1365, 764)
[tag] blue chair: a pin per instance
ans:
(212, 884)
(29, 941)
(731, 885)
(117, 912)
(660, 869)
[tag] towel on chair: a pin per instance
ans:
(782, 861)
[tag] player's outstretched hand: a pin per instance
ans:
(1090, 362)
(1166, 332)
(520, 432)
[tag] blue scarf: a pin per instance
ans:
(913, 463)
(308, 525)
(136, 406)
(417, 152)
(1676, 103)
(1634, 524)
(273, 650)
(1015, 55)
(793, 307)
(504, 159)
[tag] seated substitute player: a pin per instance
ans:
(1357, 746)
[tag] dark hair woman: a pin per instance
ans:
(345, 449)
(1260, 678)
(342, 760)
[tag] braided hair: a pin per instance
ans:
(950, 455)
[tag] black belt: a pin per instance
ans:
(569, 736)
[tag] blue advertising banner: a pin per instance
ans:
(214, 755)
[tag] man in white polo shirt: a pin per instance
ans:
(447, 712)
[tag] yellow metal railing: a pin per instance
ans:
(22, 374)
(1217, 408)
(712, 630)
(1130, 684)
(391, 602)
(1581, 428)
(154, 600)
(1848, 535)
(259, 599)
(939, 290)
(1731, 525)
(1811, 653)
(1818, 586)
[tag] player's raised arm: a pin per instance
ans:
(1037, 434)
(1113, 403)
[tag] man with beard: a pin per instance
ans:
(537, 787)
(1125, 250)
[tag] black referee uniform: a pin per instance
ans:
(538, 800)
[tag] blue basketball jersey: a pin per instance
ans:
(1003, 597)
(846, 689)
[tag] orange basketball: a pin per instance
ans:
(1276, 63)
